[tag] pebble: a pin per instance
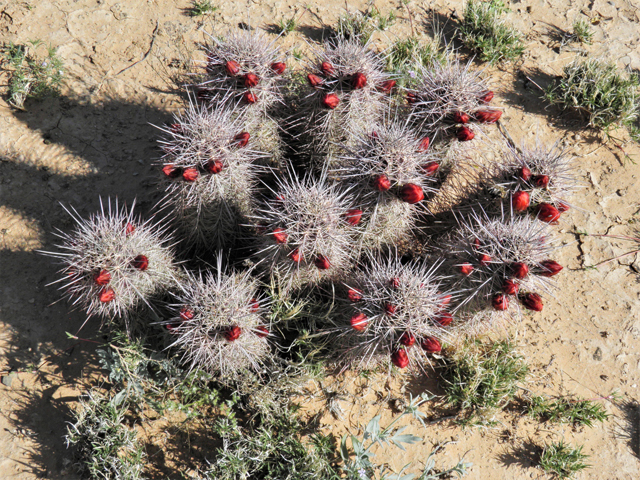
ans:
(597, 355)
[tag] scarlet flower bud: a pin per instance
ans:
(102, 278)
(232, 68)
(381, 183)
(280, 235)
(540, 181)
(314, 80)
(322, 262)
(532, 301)
(484, 259)
(548, 213)
(250, 98)
(389, 309)
(176, 128)
(411, 98)
(107, 295)
(359, 81)
(129, 229)
(242, 139)
(444, 301)
(354, 295)
(488, 116)
(461, 117)
(424, 144)
(444, 319)
(395, 283)
(327, 68)
(141, 262)
(387, 87)
(549, 268)
(214, 166)
(330, 100)
(465, 269)
(186, 314)
(562, 207)
(465, 134)
(251, 80)
(430, 168)
(520, 201)
(524, 173)
(353, 216)
(400, 358)
(407, 339)
(519, 270)
(255, 305)
(510, 287)
(500, 302)
(171, 326)
(431, 345)
(411, 193)
(487, 97)
(171, 171)
(190, 174)
(359, 321)
(232, 333)
(262, 331)
(279, 67)
(476, 244)
(295, 255)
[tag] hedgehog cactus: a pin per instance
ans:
(114, 262)
(209, 166)
(220, 323)
(308, 231)
(387, 308)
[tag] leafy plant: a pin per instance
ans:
(361, 25)
(483, 31)
(575, 412)
(406, 55)
(287, 25)
(563, 460)
(582, 32)
(202, 7)
(31, 74)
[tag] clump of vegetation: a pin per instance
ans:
(484, 31)
(287, 25)
(562, 410)
(407, 54)
(562, 460)
(480, 377)
(360, 26)
(32, 74)
(582, 32)
(599, 91)
(202, 7)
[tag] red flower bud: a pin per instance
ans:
(562, 207)
(232, 68)
(520, 201)
(381, 183)
(444, 319)
(424, 144)
(465, 134)
(476, 244)
(411, 193)
(141, 262)
(176, 128)
(487, 97)
(548, 213)
(279, 67)
(412, 98)
(250, 98)
(280, 235)
(232, 333)
(190, 174)
(251, 80)
(359, 321)
(532, 301)
(314, 80)
(407, 339)
(540, 181)
(327, 68)
(395, 283)
(389, 309)
(353, 216)
(524, 173)
(330, 100)
(488, 116)
(129, 229)
(400, 358)
(186, 314)
(484, 259)
(510, 287)
(519, 270)
(500, 302)
(107, 295)
(431, 345)
(171, 171)
(354, 295)
(359, 81)
(322, 262)
(255, 305)
(214, 166)
(444, 301)
(262, 331)
(430, 168)
(295, 255)
(461, 117)
(242, 139)
(465, 269)
(387, 87)
(549, 268)
(102, 278)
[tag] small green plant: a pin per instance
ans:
(202, 7)
(599, 91)
(358, 465)
(361, 25)
(406, 55)
(562, 460)
(288, 25)
(32, 74)
(481, 377)
(483, 31)
(582, 32)
(575, 412)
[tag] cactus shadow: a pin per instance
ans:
(317, 33)
(627, 427)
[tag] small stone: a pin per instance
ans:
(597, 355)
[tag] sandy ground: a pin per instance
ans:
(96, 140)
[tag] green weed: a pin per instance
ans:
(404, 56)
(582, 32)
(562, 460)
(575, 412)
(202, 7)
(287, 26)
(361, 25)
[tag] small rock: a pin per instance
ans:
(7, 379)
(597, 355)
